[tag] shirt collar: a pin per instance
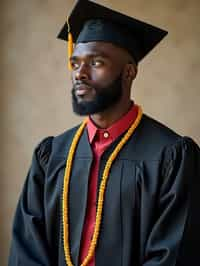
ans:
(116, 129)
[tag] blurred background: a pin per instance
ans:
(35, 84)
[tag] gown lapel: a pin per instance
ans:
(78, 193)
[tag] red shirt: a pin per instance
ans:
(99, 140)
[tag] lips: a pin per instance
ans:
(82, 90)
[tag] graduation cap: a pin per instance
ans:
(90, 21)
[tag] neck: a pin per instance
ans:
(110, 116)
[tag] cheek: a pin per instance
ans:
(102, 77)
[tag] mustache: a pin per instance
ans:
(82, 83)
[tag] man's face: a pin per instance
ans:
(96, 77)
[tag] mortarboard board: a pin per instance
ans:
(89, 21)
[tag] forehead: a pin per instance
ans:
(104, 49)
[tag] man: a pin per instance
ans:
(121, 189)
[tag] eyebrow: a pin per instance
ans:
(90, 55)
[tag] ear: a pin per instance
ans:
(130, 72)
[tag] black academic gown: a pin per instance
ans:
(151, 214)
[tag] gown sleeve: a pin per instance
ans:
(29, 245)
(174, 238)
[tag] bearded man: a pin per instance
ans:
(121, 189)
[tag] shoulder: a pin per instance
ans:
(152, 139)
(166, 137)
(61, 143)
(43, 150)
(66, 135)
(57, 145)
(158, 131)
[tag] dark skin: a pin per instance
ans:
(98, 64)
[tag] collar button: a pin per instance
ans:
(106, 134)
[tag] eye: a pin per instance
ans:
(74, 65)
(97, 62)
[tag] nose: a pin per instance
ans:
(82, 73)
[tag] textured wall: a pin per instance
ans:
(35, 85)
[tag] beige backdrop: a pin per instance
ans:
(35, 84)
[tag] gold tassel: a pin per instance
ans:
(70, 45)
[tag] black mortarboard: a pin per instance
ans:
(90, 21)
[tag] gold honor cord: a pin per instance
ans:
(65, 203)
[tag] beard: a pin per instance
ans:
(104, 99)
